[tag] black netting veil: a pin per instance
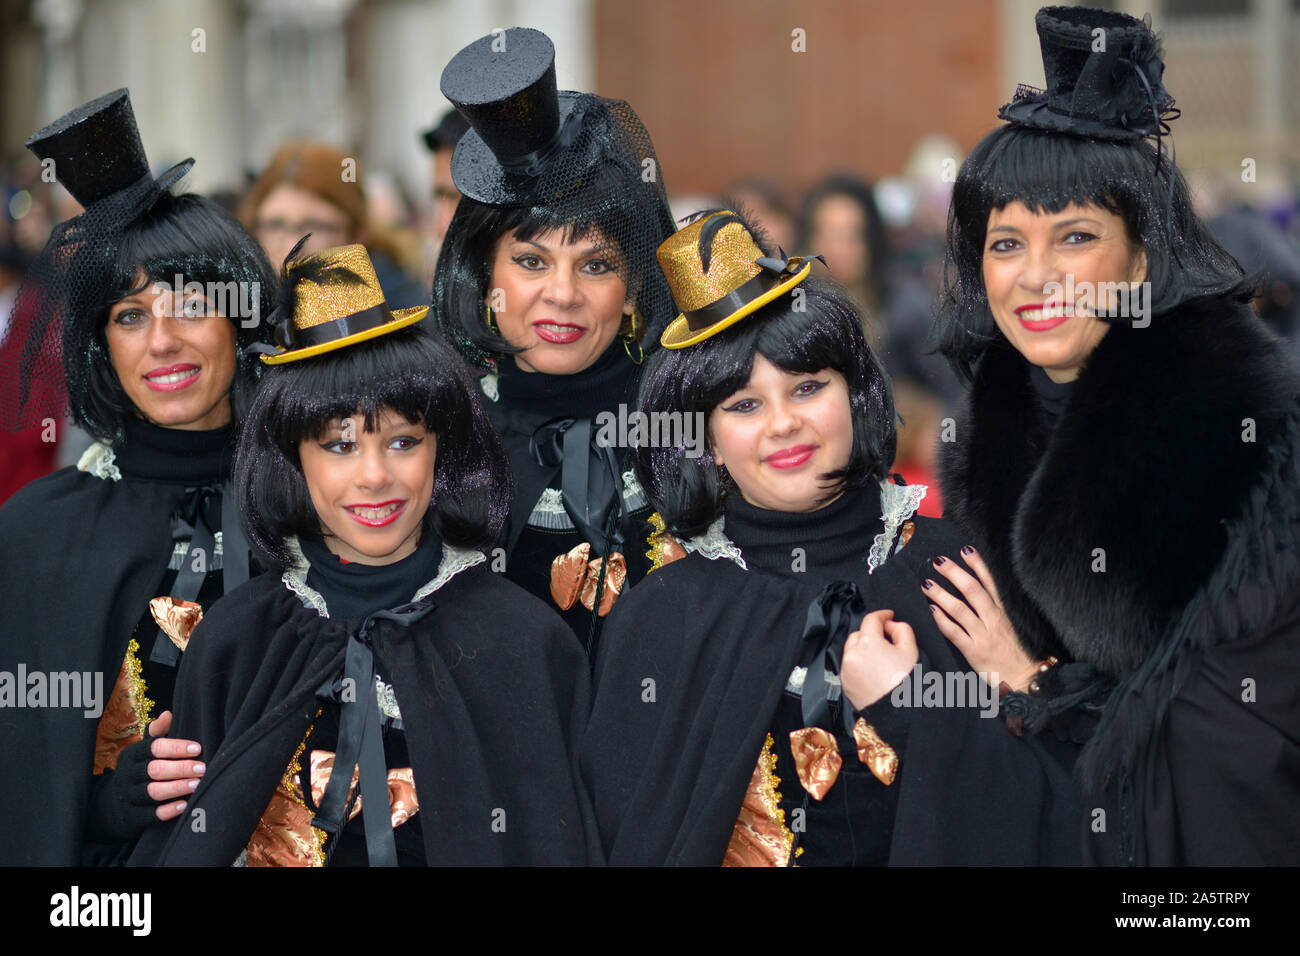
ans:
(601, 184)
(51, 346)
(55, 361)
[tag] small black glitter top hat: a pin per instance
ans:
(97, 151)
(522, 130)
(1104, 74)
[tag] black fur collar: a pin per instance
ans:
(1100, 532)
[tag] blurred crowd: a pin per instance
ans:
(882, 241)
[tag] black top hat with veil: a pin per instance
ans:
(133, 230)
(96, 153)
(1104, 77)
(575, 161)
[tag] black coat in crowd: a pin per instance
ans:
(1151, 533)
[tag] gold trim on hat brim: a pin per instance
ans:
(678, 335)
(401, 319)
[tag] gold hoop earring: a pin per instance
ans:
(635, 326)
(492, 323)
(627, 347)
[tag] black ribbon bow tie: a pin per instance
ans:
(193, 521)
(835, 614)
(590, 487)
(361, 742)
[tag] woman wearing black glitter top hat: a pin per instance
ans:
(547, 281)
(143, 304)
(1126, 462)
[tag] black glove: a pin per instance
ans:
(120, 806)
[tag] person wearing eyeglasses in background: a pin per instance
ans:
(315, 189)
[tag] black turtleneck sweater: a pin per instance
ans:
(353, 591)
(609, 380)
(853, 824)
(1051, 396)
(527, 400)
(829, 544)
(152, 453)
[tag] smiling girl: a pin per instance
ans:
(384, 643)
(787, 610)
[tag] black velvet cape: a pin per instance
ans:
(694, 661)
(492, 691)
(80, 558)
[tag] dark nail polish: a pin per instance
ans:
(939, 560)
(968, 550)
(928, 584)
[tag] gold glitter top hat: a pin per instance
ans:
(718, 275)
(331, 300)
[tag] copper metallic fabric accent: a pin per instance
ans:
(817, 759)
(177, 619)
(760, 836)
(909, 528)
(875, 753)
(125, 716)
(574, 577)
(818, 762)
(401, 787)
(284, 835)
(664, 546)
(731, 265)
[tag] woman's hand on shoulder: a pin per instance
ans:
(979, 626)
(173, 772)
(877, 657)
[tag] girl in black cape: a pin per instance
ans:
(143, 305)
(384, 643)
(748, 710)
(1127, 463)
(547, 282)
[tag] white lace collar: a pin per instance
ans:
(454, 560)
(549, 511)
(99, 461)
(898, 503)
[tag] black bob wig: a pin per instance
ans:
(409, 371)
(186, 235)
(819, 330)
(1048, 170)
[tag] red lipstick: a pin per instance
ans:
(172, 378)
(558, 333)
(1047, 324)
(788, 458)
(377, 518)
